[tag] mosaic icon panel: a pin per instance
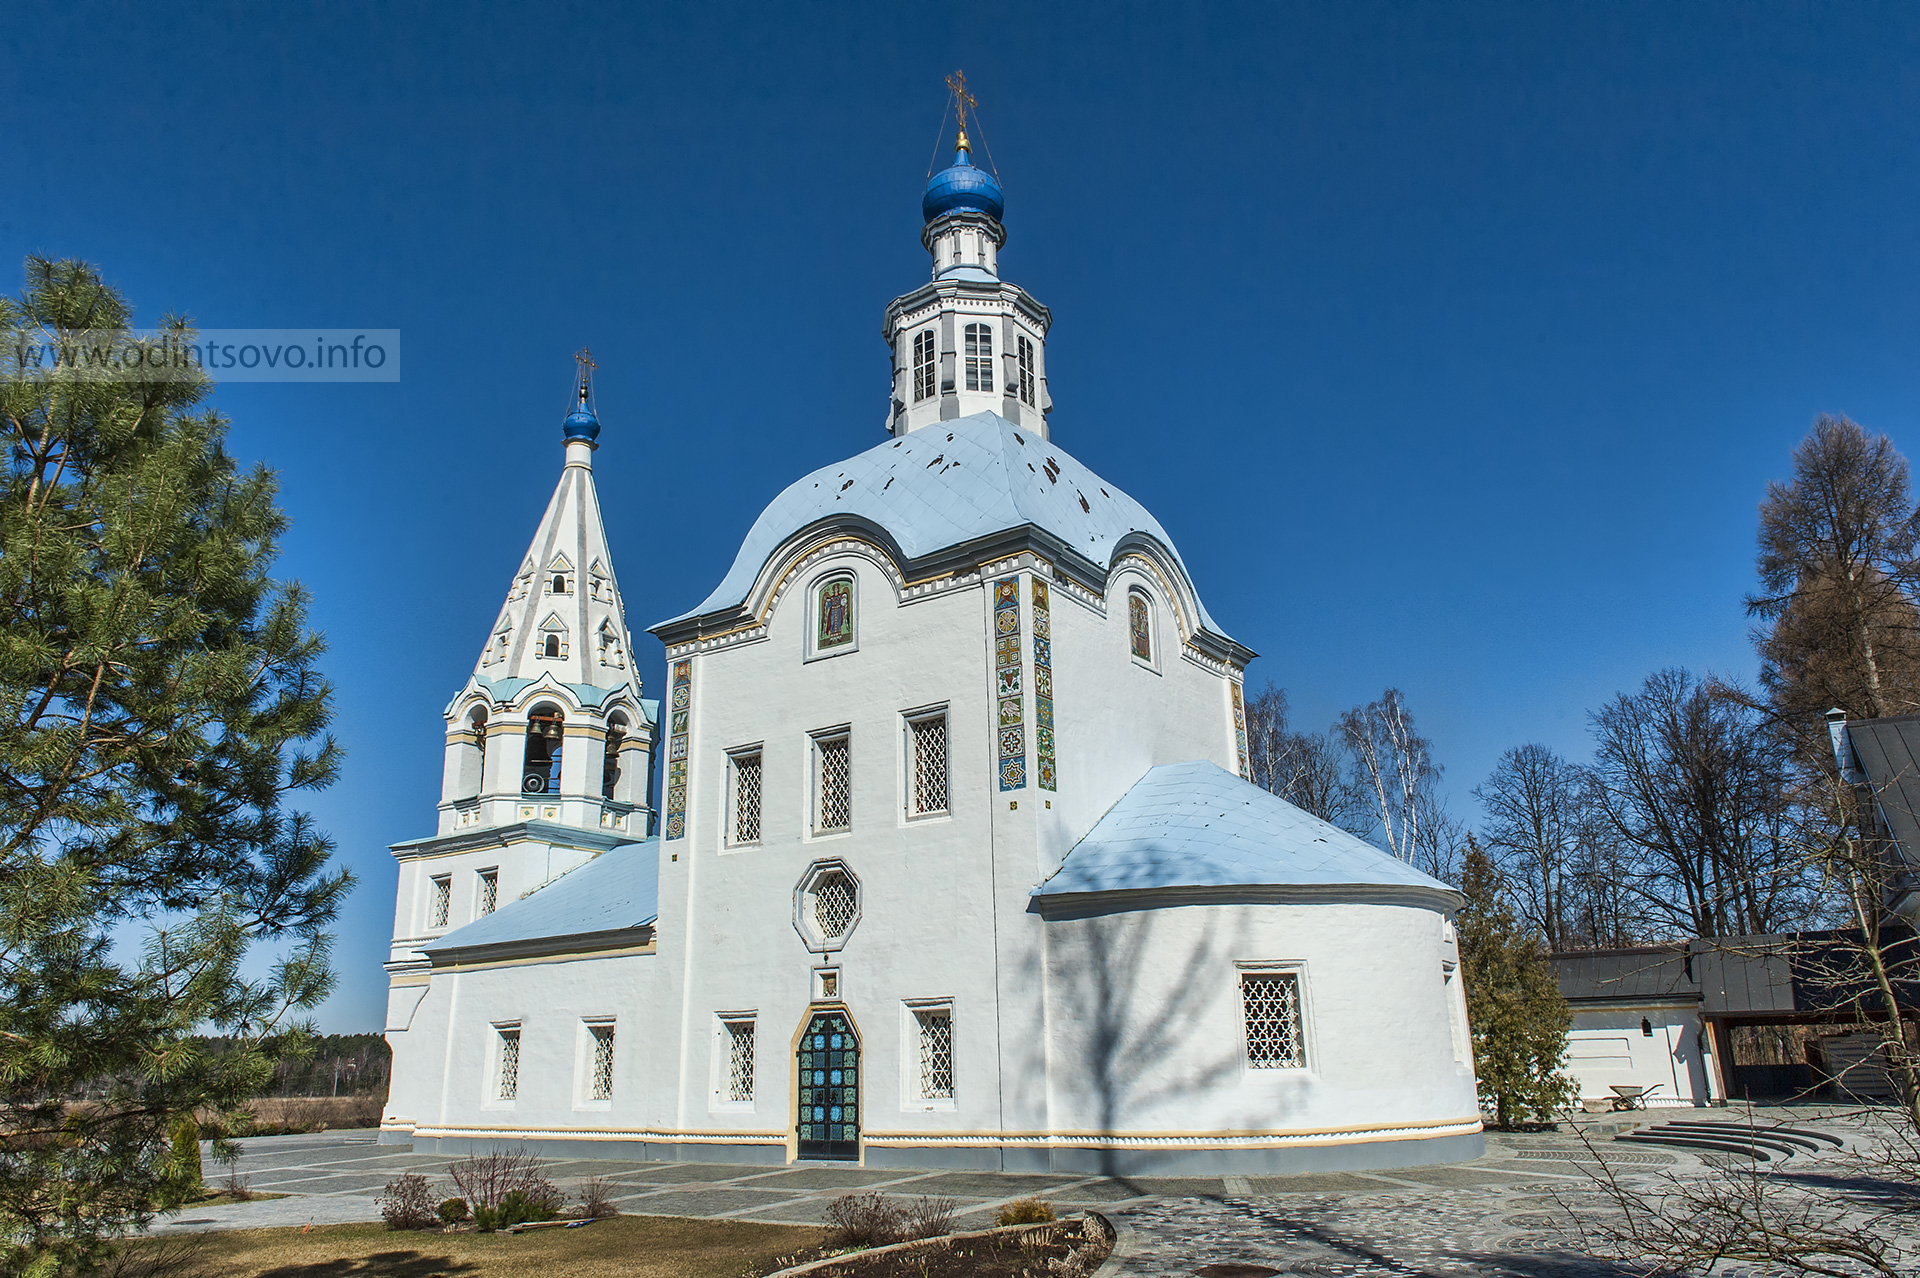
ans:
(682, 707)
(1240, 728)
(1043, 686)
(1007, 683)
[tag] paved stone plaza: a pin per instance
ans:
(1504, 1214)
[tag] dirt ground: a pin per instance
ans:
(620, 1247)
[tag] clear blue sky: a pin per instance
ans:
(1453, 344)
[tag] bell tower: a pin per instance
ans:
(551, 726)
(967, 341)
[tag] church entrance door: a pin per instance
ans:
(829, 1081)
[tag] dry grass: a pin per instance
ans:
(619, 1247)
(337, 1112)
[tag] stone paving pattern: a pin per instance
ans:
(1503, 1214)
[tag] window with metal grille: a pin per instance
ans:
(1272, 1002)
(925, 360)
(833, 784)
(441, 905)
(746, 798)
(509, 1071)
(489, 892)
(601, 1087)
(835, 902)
(929, 740)
(936, 1052)
(739, 1060)
(1026, 371)
(979, 357)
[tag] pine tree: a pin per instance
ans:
(158, 703)
(1514, 1005)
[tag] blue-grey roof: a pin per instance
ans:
(948, 485)
(615, 891)
(588, 694)
(1196, 825)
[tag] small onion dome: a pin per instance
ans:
(581, 424)
(962, 188)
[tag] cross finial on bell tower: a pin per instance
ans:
(584, 376)
(962, 103)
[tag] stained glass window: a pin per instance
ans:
(836, 614)
(829, 1103)
(1140, 626)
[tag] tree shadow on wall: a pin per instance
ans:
(1102, 966)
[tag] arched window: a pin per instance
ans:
(979, 357)
(1140, 624)
(835, 609)
(553, 645)
(545, 728)
(477, 724)
(610, 765)
(559, 584)
(924, 362)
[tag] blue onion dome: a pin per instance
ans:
(962, 188)
(581, 424)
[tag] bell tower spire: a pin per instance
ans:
(968, 341)
(550, 726)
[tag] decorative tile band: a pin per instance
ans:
(676, 827)
(1043, 686)
(1240, 728)
(1006, 652)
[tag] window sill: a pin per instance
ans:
(841, 651)
(930, 1105)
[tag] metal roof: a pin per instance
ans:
(945, 486)
(618, 890)
(1196, 825)
(1889, 752)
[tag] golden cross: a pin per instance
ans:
(584, 358)
(958, 83)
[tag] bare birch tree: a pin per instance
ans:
(1306, 769)
(1392, 764)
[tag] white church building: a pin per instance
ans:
(951, 861)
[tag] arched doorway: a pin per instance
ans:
(828, 1122)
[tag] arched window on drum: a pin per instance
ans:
(833, 615)
(546, 727)
(1140, 625)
